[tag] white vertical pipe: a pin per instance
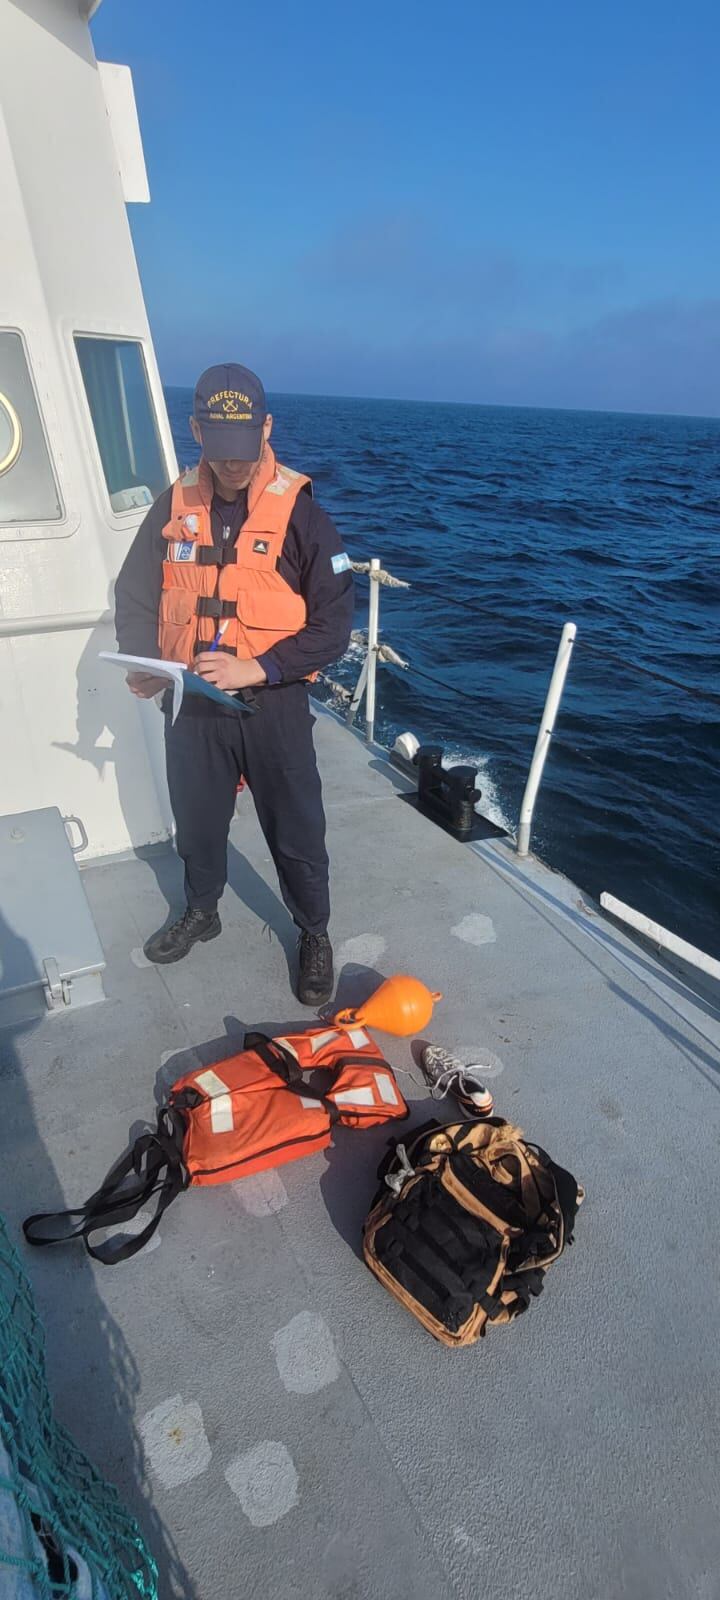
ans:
(372, 658)
(542, 743)
(357, 694)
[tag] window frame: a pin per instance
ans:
(121, 520)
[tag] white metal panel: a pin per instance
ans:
(67, 265)
(73, 737)
(122, 111)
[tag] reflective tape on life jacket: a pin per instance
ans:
(258, 1109)
(205, 584)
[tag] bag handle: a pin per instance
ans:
(156, 1161)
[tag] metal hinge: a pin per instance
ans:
(55, 988)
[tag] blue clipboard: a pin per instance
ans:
(193, 684)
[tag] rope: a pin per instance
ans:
(386, 653)
(380, 576)
(650, 672)
(686, 817)
(337, 688)
(474, 606)
(452, 688)
(418, 587)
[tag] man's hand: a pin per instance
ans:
(227, 672)
(144, 685)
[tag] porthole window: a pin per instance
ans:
(10, 434)
(28, 487)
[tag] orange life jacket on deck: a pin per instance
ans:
(256, 1110)
(205, 584)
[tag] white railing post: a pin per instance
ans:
(372, 655)
(542, 743)
(357, 694)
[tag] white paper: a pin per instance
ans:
(172, 670)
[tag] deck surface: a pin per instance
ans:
(281, 1428)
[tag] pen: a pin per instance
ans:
(218, 637)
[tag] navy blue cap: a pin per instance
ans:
(230, 409)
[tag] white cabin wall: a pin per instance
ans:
(72, 735)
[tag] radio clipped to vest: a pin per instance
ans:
(275, 1101)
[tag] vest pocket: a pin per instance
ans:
(271, 610)
(178, 624)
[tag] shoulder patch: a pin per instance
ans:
(341, 562)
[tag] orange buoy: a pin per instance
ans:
(401, 1005)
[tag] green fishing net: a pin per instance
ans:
(64, 1532)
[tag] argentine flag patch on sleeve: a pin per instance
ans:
(341, 563)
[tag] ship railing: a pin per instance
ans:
(377, 652)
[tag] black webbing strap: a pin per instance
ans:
(423, 1273)
(215, 555)
(210, 605)
(524, 1286)
(152, 1168)
(491, 1304)
(276, 1057)
(566, 1188)
(282, 1061)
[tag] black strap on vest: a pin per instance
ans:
(282, 1061)
(210, 605)
(156, 1165)
(215, 555)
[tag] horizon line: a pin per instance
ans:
(475, 405)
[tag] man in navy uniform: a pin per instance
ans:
(238, 572)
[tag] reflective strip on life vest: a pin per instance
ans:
(387, 1088)
(355, 1097)
(221, 1117)
(365, 1096)
(286, 1045)
(358, 1038)
(319, 1039)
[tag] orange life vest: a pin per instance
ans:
(253, 1111)
(205, 584)
(256, 1110)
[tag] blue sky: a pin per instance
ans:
(506, 204)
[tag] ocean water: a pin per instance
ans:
(508, 522)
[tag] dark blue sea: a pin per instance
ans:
(509, 522)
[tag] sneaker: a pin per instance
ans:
(448, 1075)
(316, 978)
(172, 943)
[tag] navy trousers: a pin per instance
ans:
(273, 750)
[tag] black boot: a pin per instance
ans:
(172, 943)
(316, 977)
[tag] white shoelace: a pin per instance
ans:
(466, 1082)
